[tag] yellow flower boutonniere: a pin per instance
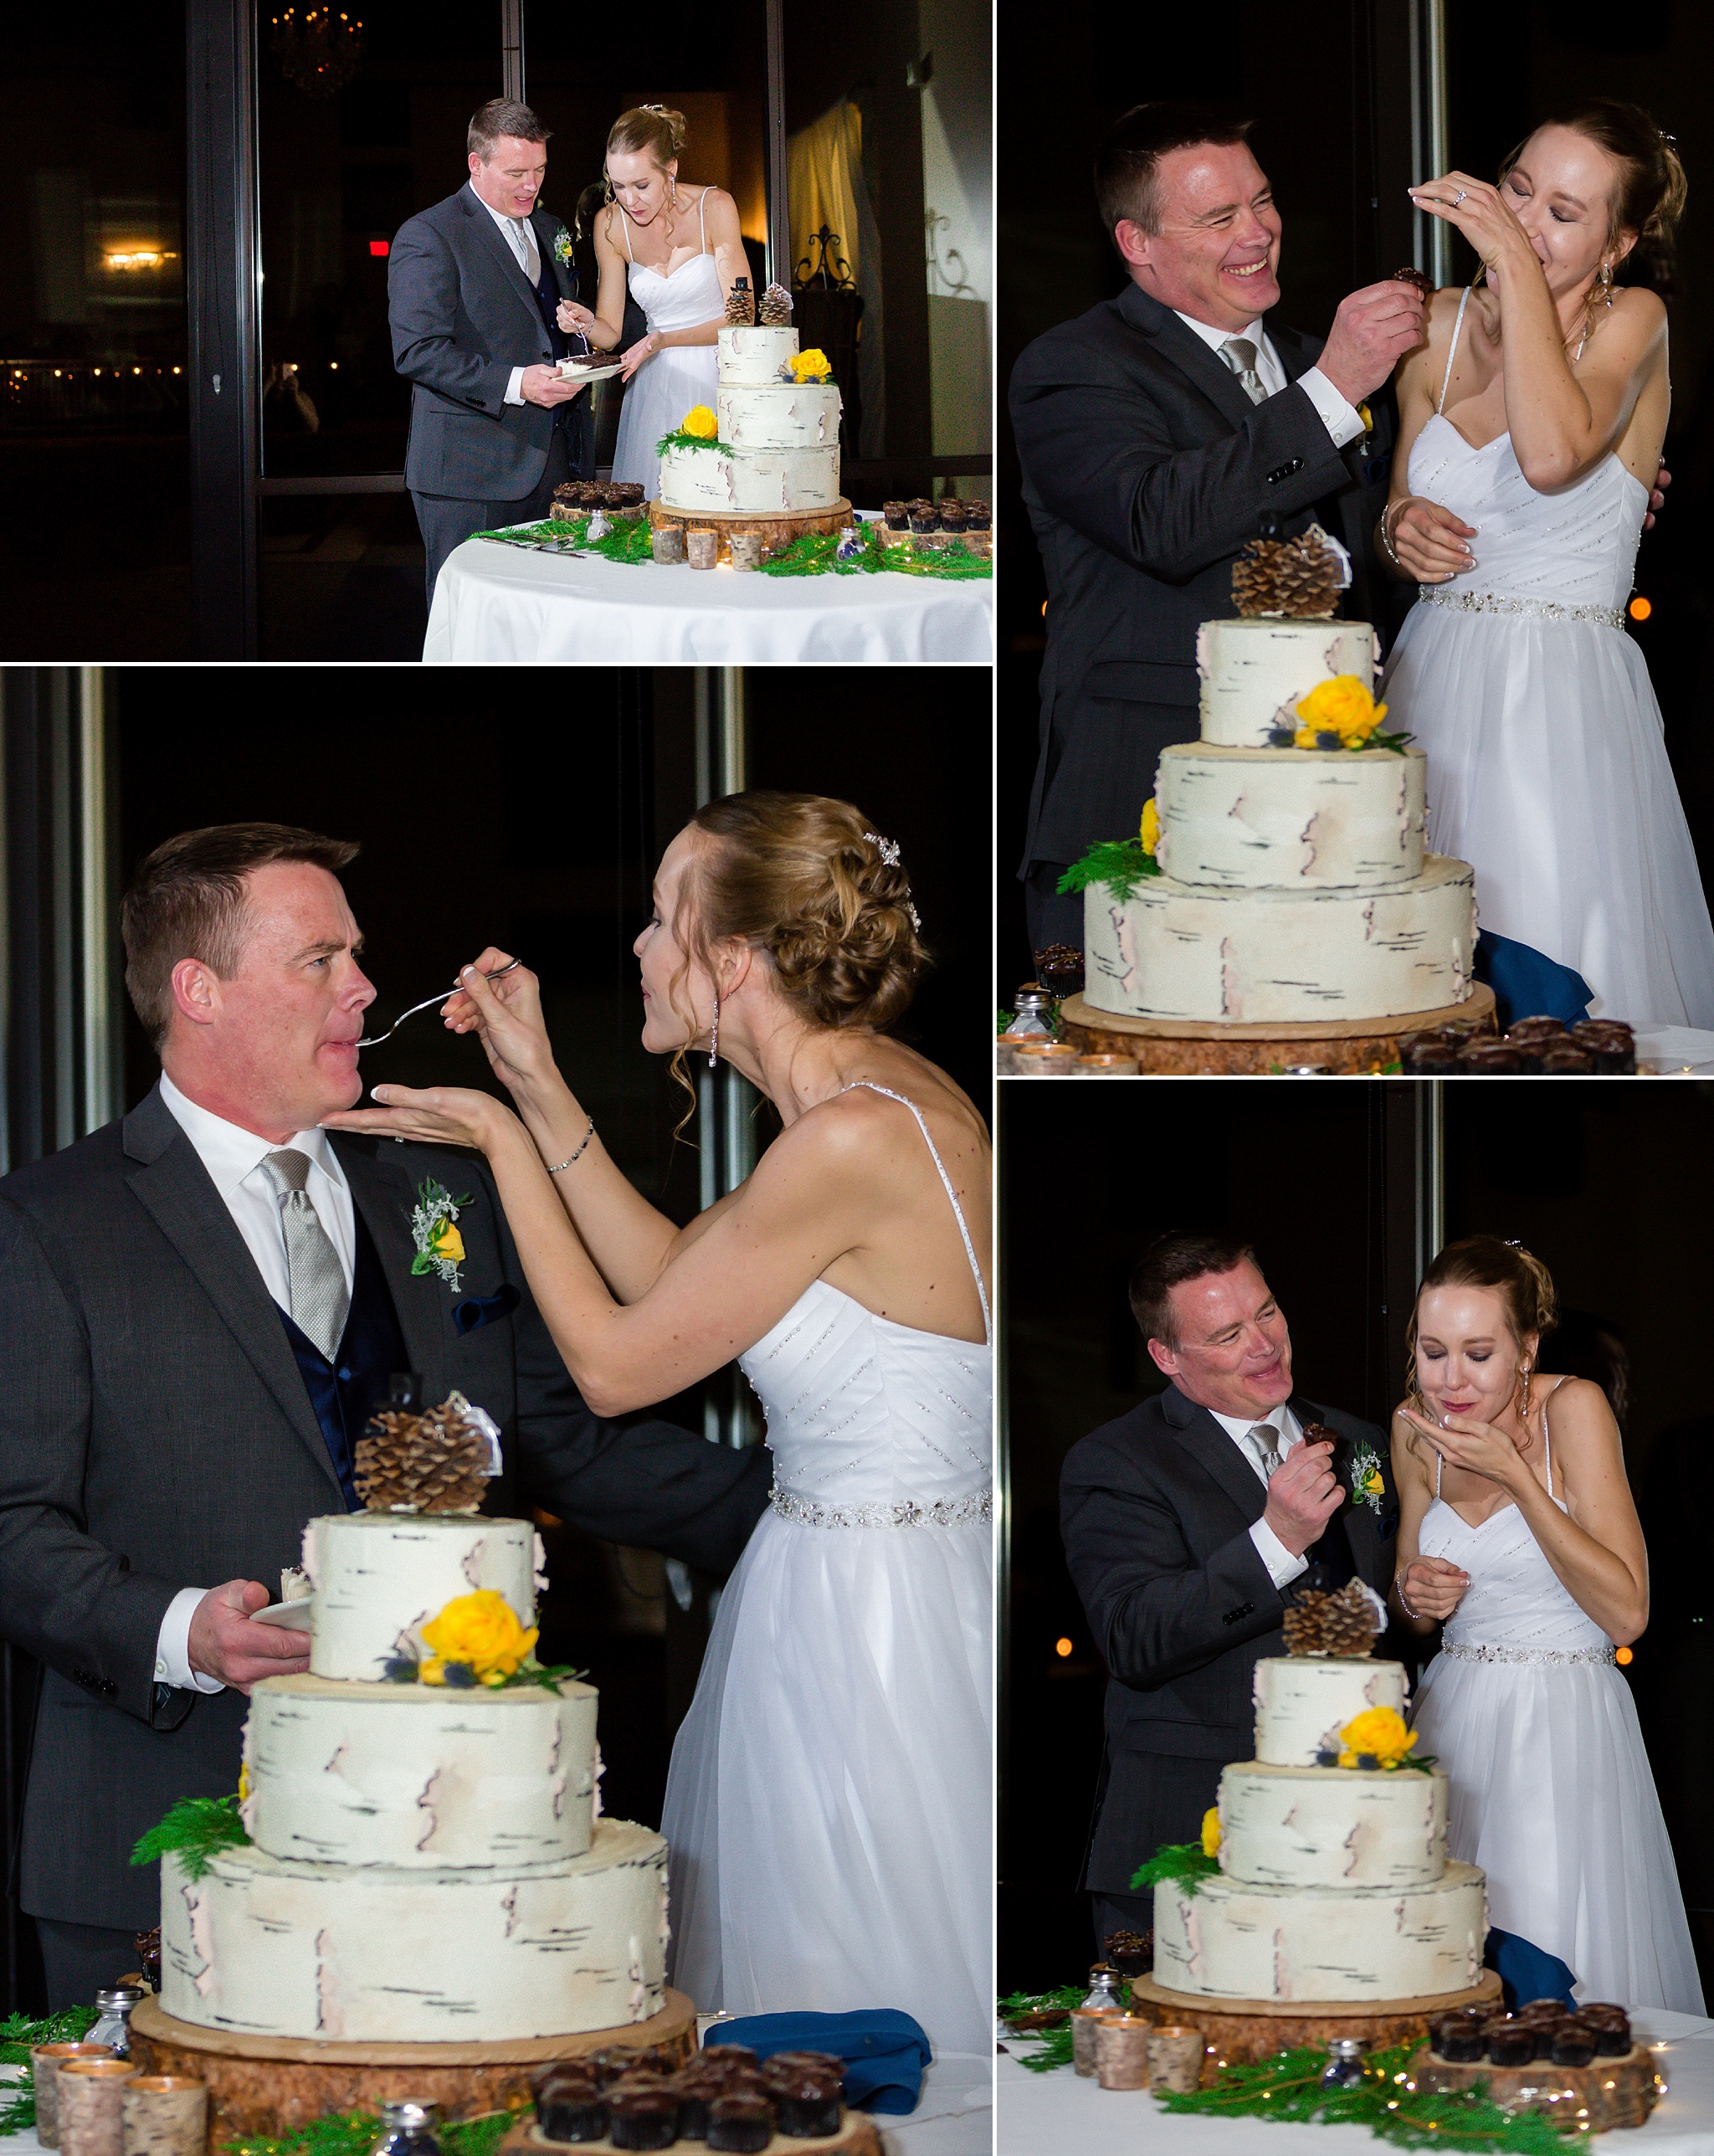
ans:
(440, 1248)
(1368, 423)
(1211, 1831)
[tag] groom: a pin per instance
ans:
(473, 290)
(1185, 1524)
(205, 1300)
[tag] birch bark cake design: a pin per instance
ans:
(1280, 876)
(774, 444)
(416, 1852)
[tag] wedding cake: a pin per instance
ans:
(1289, 880)
(1333, 1883)
(775, 448)
(422, 1857)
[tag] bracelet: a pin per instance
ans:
(578, 1154)
(1415, 1616)
(1387, 546)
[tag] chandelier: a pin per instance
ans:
(319, 52)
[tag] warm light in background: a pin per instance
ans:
(141, 258)
(1622, 1656)
(1062, 1648)
(1639, 608)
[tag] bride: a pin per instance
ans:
(829, 1803)
(1530, 425)
(1516, 1531)
(680, 248)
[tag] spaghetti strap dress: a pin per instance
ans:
(678, 377)
(829, 1802)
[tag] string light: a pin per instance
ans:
(1639, 608)
(1062, 1648)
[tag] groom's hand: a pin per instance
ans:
(224, 1644)
(1372, 332)
(1303, 1496)
(546, 385)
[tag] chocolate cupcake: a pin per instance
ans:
(1574, 2045)
(1612, 1044)
(1488, 1058)
(1535, 1029)
(1568, 1061)
(981, 516)
(897, 515)
(954, 517)
(729, 2058)
(742, 2125)
(1428, 1054)
(1457, 2040)
(642, 2118)
(806, 2108)
(607, 2065)
(924, 518)
(1509, 2042)
(785, 2065)
(571, 2109)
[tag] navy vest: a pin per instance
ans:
(1329, 1558)
(346, 1392)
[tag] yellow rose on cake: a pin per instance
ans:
(480, 1630)
(1211, 1831)
(1340, 713)
(1150, 830)
(699, 421)
(811, 366)
(1378, 1733)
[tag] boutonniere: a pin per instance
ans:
(1368, 423)
(1367, 1486)
(440, 1248)
(561, 246)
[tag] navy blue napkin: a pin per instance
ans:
(476, 1310)
(885, 2051)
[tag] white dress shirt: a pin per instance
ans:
(234, 1158)
(520, 237)
(1284, 1565)
(1342, 421)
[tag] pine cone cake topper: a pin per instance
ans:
(1300, 579)
(741, 304)
(776, 308)
(1346, 1624)
(439, 1460)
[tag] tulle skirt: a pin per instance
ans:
(1551, 1794)
(1547, 772)
(829, 1807)
(657, 397)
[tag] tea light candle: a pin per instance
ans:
(1050, 1058)
(666, 542)
(45, 2061)
(90, 2093)
(1122, 2052)
(163, 2115)
(1085, 2021)
(746, 549)
(1106, 1066)
(702, 546)
(1175, 2059)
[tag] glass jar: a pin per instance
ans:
(1344, 2066)
(114, 2007)
(407, 2129)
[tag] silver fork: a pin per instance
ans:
(427, 1000)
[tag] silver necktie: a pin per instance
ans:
(1239, 354)
(1266, 1440)
(318, 1298)
(527, 255)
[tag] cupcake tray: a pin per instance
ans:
(856, 2137)
(1339, 1044)
(1607, 2092)
(1239, 2031)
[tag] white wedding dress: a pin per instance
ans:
(1551, 1790)
(1547, 768)
(678, 377)
(829, 1804)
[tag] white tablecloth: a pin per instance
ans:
(1674, 1051)
(503, 606)
(1037, 2114)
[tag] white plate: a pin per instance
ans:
(590, 374)
(290, 1616)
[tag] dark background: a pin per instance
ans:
(1603, 1181)
(1326, 82)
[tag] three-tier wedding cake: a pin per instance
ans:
(775, 447)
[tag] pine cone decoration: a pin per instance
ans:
(1296, 577)
(1304, 1622)
(776, 308)
(1349, 1625)
(741, 304)
(436, 1462)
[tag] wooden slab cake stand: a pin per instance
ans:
(776, 531)
(1166, 1044)
(1607, 2092)
(273, 2085)
(856, 2137)
(1238, 2032)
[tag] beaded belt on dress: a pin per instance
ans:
(1530, 1654)
(1497, 602)
(943, 1512)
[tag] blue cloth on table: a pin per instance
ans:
(1526, 1972)
(885, 2051)
(1527, 984)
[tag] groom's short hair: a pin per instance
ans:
(1128, 162)
(1168, 1262)
(186, 901)
(501, 116)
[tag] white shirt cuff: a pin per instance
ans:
(1283, 1564)
(172, 1648)
(515, 387)
(1342, 421)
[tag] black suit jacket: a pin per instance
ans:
(1146, 472)
(1155, 1510)
(155, 1433)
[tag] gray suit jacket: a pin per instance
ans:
(155, 1433)
(463, 315)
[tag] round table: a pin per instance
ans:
(502, 605)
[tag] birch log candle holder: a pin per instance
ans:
(45, 2062)
(163, 2115)
(89, 2093)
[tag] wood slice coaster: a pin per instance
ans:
(1238, 2032)
(777, 532)
(273, 2085)
(857, 2137)
(1604, 2093)
(1341, 1044)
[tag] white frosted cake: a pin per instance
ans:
(426, 1861)
(1293, 885)
(777, 446)
(1334, 1882)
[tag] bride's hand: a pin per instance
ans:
(571, 317)
(1431, 1586)
(506, 1014)
(439, 1115)
(1483, 215)
(1429, 539)
(1479, 1447)
(644, 349)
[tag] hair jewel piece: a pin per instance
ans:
(1513, 1243)
(887, 847)
(916, 917)
(655, 108)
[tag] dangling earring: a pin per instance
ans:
(714, 1038)
(1525, 1372)
(672, 200)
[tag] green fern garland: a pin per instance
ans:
(1120, 864)
(679, 439)
(355, 2133)
(196, 1831)
(18, 2036)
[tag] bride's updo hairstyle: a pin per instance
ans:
(1517, 1275)
(1650, 196)
(649, 128)
(807, 882)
